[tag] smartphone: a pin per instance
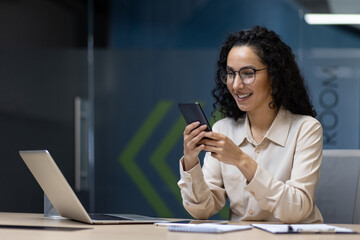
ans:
(193, 112)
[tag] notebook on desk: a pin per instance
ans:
(61, 195)
(303, 228)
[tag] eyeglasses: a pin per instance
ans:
(247, 75)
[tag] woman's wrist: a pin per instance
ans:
(248, 167)
(188, 164)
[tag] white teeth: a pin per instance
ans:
(244, 95)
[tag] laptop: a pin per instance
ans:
(63, 198)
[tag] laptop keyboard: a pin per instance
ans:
(99, 216)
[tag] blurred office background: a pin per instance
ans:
(97, 82)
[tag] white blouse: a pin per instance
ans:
(283, 188)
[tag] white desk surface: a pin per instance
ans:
(138, 231)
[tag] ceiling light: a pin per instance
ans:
(341, 19)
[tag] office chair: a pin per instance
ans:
(338, 191)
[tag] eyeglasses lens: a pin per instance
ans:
(247, 76)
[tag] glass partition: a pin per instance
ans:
(43, 62)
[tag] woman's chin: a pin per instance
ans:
(243, 107)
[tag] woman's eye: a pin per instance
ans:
(230, 74)
(247, 74)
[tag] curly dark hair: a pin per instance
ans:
(288, 87)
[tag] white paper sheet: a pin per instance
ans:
(302, 228)
(207, 228)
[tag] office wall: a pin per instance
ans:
(164, 52)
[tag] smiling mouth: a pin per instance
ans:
(242, 96)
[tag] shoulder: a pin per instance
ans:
(306, 127)
(304, 121)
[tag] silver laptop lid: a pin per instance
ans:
(54, 184)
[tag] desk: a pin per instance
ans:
(138, 231)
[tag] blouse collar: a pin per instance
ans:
(277, 133)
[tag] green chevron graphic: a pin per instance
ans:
(158, 158)
(127, 158)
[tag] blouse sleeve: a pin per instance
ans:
(293, 200)
(202, 189)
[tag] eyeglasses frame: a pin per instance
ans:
(238, 72)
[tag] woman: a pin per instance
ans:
(265, 155)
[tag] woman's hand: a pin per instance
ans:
(225, 150)
(193, 134)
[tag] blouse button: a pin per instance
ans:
(251, 212)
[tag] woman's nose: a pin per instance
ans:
(238, 83)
